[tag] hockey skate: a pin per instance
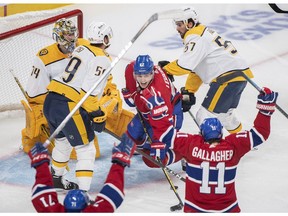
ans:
(60, 183)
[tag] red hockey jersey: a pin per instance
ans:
(211, 169)
(44, 196)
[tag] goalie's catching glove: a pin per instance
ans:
(38, 155)
(122, 153)
(188, 100)
(98, 120)
(266, 101)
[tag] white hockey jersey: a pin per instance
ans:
(208, 56)
(49, 63)
(86, 66)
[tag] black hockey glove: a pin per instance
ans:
(188, 99)
(163, 64)
(98, 120)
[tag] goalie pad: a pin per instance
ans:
(34, 119)
(120, 126)
(28, 143)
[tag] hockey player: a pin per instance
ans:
(212, 160)
(208, 58)
(49, 62)
(159, 108)
(86, 66)
(44, 196)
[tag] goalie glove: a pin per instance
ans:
(188, 99)
(266, 101)
(98, 120)
(38, 155)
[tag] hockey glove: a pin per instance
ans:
(163, 64)
(98, 120)
(122, 153)
(266, 101)
(38, 155)
(158, 150)
(127, 97)
(188, 99)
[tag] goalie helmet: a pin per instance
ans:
(143, 65)
(188, 13)
(66, 34)
(97, 31)
(211, 129)
(76, 200)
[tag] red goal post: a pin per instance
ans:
(21, 37)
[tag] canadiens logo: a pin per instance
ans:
(43, 52)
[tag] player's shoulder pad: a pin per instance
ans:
(198, 30)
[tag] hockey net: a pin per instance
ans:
(21, 37)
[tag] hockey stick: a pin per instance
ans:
(194, 119)
(277, 9)
(260, 90)
(154, 17)
(180, 205)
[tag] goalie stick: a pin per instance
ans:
(154, 17)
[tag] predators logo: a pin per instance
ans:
(43, 52)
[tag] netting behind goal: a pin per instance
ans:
(21, 37)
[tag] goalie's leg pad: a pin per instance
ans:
(120, 126)
(28, 143)
(34, 119)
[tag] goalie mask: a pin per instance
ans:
(211, 130)
(65, 33)
(97, 31)
(187, 15)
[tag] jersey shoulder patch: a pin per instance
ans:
(43, 52)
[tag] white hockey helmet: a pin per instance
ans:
(185, 15)
(65, 33)
(97, 31)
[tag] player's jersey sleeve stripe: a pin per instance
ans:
(40, 189)
(112, 194)
(256, 138)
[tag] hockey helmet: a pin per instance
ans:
(76, 200)
(143, 65)
(211, 129)
(97, 31)
(66, 34)
(185, 15)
